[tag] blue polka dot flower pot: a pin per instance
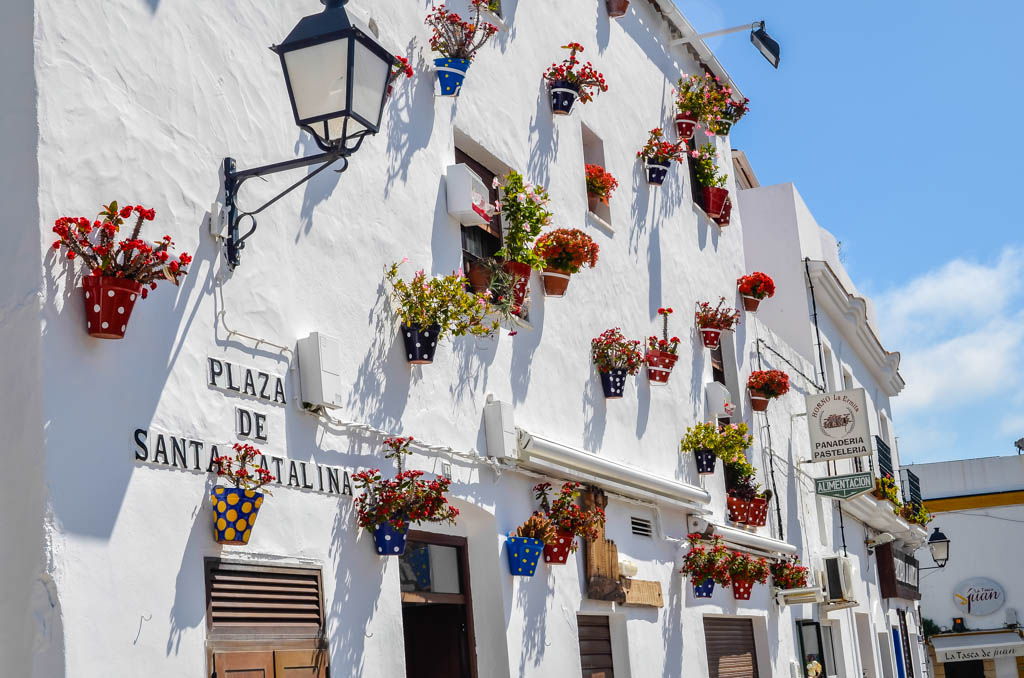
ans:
(704, 589)
(613, 383)
(450, 74)
(388, 540)
(705, 461)
(234, 514)
(420, 343)
(563, 96)
(523, 555)
(657, 171)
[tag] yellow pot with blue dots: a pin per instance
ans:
(523, 554)
(234, 513)
(450, 75)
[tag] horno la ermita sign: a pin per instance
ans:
(845, 487)
(838, 424)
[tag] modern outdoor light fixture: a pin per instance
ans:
(938, 544)
(337, 76)
(759, 37)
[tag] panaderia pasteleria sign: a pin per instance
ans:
(838, 424)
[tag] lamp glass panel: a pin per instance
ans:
(369, 78)
(940, 551)
(317, 75)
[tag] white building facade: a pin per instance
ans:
(111, 567)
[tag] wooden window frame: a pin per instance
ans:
(461, 545)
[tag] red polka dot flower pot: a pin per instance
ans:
(711, 337)
(741, 588)
(757, 514)
(234, 514)
(523, 555)
(714, 200)
(686, 122)
(659, 365)
(739, 510)
(520, 281)
(108, 305)
(558, 552)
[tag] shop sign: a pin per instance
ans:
(975, 653)
(979, 596)
(846, 486)
(838, 425)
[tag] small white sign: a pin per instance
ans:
(838, 424)
(979, 596)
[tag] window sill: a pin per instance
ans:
(599, 222)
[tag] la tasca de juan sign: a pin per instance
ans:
(838, 424)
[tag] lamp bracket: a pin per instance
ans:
(234, 178)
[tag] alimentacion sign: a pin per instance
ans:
(846, 486)
(838, 425)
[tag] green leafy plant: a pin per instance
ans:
(885, 488)
(914, 513)
(733, 441)
(702, 436)
(524, 206)
(442, 300)
(705, 167)
(695, 94)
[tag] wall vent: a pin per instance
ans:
(253, 599)
(641, 527)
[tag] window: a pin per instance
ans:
(595, 646)
(847, 379)
(479, 242)
(695, 188)
(731, 650)
(593, 154)
(828, 368)
(816, 645)
(264, 621)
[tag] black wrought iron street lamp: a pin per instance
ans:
(938, 544)
(337, 77)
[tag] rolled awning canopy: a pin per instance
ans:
(966, 647)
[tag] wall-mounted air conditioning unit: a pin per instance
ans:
(718, 402)
(837, 579)
(801, 596)
(467, 196)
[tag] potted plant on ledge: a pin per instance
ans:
(693, 97)
(570, 80)
(389, 507)
(764, 385)
(119, 271)
(457, 42)
(527, 544)
(663, 353)
(712, 321)
(754, 288)
(615, 357)
(600, 186)
(432, 308)
(706, 564)
(235, 508)
(524, 207)
(744, 572)
(712, 184)
(565, 251)
(569, 520)
(658, 155)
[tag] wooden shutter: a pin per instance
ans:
(300, 664)
(595, 646)
(244, 664)
(730, 646)
(255, 600)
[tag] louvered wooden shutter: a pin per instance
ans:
(246, 600)
(595, 646)
(730, 646)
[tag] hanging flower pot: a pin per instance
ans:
(600, 185)
(523, 555)
(711, 336)
(556, 282)
(617, 8)
(723, 219)
(521, 283)
(388, 540)
(108, 305)
(614, 383)
(721, 127)
(593, 201)
(764, 385)
(741, 588)
(450, 75)
(234, 513)
(657, 171)
(420, 343)
(686, 122)
(714, 200)
(706, 460)
(558, 552)
(659, 365)
(757, 516)
(705, 589)
(750, 304)
(563, 95)
(755, 287)
(758, 400)
(739, 510)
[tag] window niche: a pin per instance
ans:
(593, 154)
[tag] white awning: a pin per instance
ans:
(743, 540)
(965, 647)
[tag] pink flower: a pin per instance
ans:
(404, 260)
(494, 182)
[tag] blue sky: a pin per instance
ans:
(898, 122)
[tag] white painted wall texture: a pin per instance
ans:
(145, 115)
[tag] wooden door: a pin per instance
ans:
(595, 646)
(300, 664)
(730, 647)
(244, 664)
(435, 641)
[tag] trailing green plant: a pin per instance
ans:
(733, 441)
(705, 167)
(442, 300)
(524, 206)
